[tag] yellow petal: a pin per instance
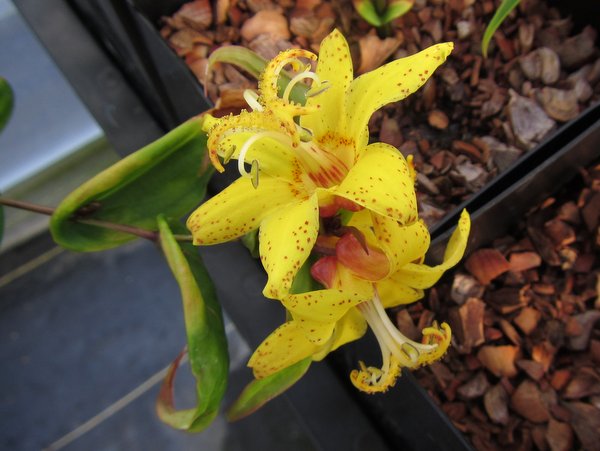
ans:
(334, 66)
(239, 209)
(326, 305)
(286, 239)
(393, 292)
(423, 276)
(284, 347)
(316, 332)
(350, 327)
(380, 181)
(390, 83)
(401, 244)
(274, 157)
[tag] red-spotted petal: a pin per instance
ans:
(401, 244)
(284, 347)
(389, 83)
(287, 237)
(240, 208)
(380, 181)
(423, 276)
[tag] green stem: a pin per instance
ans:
(142, 233)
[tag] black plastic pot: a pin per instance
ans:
(405, 417)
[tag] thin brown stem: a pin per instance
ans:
(142, 233)
(26, 206)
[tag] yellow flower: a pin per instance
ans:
(309, 160)
(363, 279)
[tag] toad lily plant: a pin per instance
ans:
(303, 164)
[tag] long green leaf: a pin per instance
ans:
(260, 391)
(366, 9)
(168, 176)
(6, 102)
(501, 14)
(255, 64)
(206, 340)
(395, 9)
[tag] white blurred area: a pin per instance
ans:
(51, 143)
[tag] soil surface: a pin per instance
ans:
(523, 370)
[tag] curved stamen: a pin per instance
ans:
(251, 99)
(298, 78)
(267, 84)
(397, 351)
(394, 332)
(244, 150)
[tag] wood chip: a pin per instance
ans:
(543, 63)
(528, 120)
(577, 50)
(586, 382)
(560, 104)
(522, 261)
(587, 321)
(406, 325)
(496, 404)
(438, 119)
(269, 22)
(196, 14)
(474, 388)
(464, 287)
(499, 360)
(560, 378)
(586, 424)
(468, 323)
(544, 354)
(527, 319)
(374, 51)
(559, 436)
(486, 265)
(510, 332)
(534, 370)
(527, 402)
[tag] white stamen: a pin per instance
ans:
(251, 99)
(299, 77)
(394, 332)
(244, 151)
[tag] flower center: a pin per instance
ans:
(277, 118)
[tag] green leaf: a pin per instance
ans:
(396, 9)
(255, 64)
(366, 9)
(206, 340)
(303, 281)
(260, 391)
(502, 12)
(168, 176)
(6, 102)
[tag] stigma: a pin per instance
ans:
(397, 350)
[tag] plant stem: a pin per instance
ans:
(142, 233)
(26, 206)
